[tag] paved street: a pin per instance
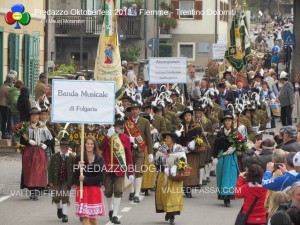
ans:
(19, 210)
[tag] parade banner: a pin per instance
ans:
(238, 47)
(108, 61)
(75, 101)
(167, 70)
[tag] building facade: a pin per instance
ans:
(22, 49)
(200, 23)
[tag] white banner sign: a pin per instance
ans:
(91, 102)
(167, 70)
(219, 50)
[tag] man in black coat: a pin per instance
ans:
(262, 159)
(290, 140)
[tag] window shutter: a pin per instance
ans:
(11, 51)
(26, 60)
(198, 9)
(175, 13)
(16, 54)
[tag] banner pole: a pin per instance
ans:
(81, 159)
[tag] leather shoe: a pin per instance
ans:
(212, 173)
(115, 220)
(110, 213)
(64, 218)
(131, 196)
(227, 203)
(172, 220)
(146, 192)
(136, 199)
(59, 213)
(167, 217)
(204, 182)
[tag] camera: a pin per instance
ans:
(269, 132)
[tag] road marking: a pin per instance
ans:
(4, 198)
(126, 209)
(110, 223)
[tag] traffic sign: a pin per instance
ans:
(289, 39)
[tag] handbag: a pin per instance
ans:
(241, 219)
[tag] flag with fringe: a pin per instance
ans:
(238, 47)
(108, 60)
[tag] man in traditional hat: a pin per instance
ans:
(177, 106)
(286, 98)
(169, 114)
(207, 132)
(138, 129)
(217, 111)
(240, 92)
(158, 121)
(126, 100)
(60, 178)
(118, 161)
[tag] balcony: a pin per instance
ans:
(165, 32)
(69, 26)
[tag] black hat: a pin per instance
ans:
(221, 85)
(174, 92)
(172, 135)
(146, 116)
(199, 107)
(44, 108)
(120, 120)
(227, 115)
(125, 96)
(185, 111)
(227, 72)
(259, 76)
(64, 141)
(157, 108)
(34, 110)
(148, 106)
(134, 104)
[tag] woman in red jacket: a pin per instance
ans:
(249, 188)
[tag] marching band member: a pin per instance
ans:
(118, 161)
(138, 129)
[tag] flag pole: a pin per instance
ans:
(81, 159)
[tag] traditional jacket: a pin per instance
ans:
(54, 167)
(159, 123)
(116, 169)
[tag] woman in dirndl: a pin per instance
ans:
(168, 195)
(91, 205)
(190, 131)
(227, 167)
(34, 158)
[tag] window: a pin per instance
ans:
(186, 50)
(93, 4)
(186, 9)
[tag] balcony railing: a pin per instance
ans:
(130, 26)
